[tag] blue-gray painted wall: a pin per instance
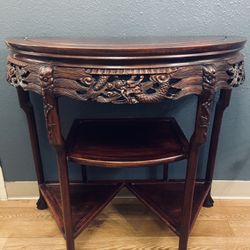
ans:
(92, 18)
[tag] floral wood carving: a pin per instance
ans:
(237, 74)
(16, 75)
(23, 75)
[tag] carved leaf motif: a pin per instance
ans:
(16, 75)
(237, 74)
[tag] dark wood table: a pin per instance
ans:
(126, 71)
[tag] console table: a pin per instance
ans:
(125, 71)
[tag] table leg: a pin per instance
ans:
(56, 140)
(25, 104)
(222, 104)
(51, 114)
(198, 138)
(65, 196)
(188, 196)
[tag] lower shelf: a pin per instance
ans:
(87, 201)
(166, 200)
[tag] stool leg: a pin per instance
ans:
(222, 104)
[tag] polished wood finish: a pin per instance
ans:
(221, 105)
(87, 201)
(50, 106)
(128, 71)
(126, 142)
(165, 199)
(26, 105)
(122, 84)
(131, 48)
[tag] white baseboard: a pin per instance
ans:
(22, 190)
(3, 194)
(221, 189)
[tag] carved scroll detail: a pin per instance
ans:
(237, 74)
(46, 78)
(16, 75)
(24, 75)
(121, 89)
(209, 79)
(128, 85)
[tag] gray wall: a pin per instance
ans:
(122, 18)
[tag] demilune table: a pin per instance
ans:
(126, 71)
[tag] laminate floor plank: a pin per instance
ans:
(18, 203)
(125, 224)
(2, 242)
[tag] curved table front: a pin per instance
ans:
(126, 71)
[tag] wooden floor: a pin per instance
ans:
(125, 224)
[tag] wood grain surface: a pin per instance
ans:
(126, 142)
(126, 47)
(116, 228)
(127, 72)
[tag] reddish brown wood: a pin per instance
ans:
(87, 201)
(126, 143)
(166, 198)
(129, 71)
(25, 104)
(222, 104)
(132, 48)
(127, 84)
(199, 136)
(51, 115)
(65, 197)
